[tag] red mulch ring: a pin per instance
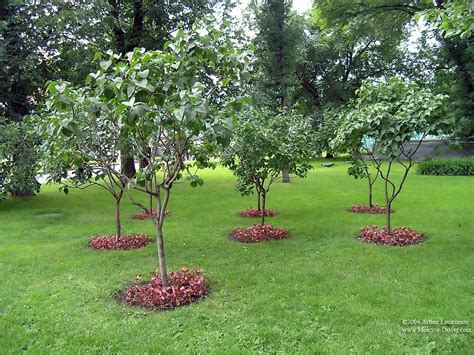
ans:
(142, 215)
(258, 233)
(186, 286)
(125, 242)
(254, 212)
(398, 237)
(375, 209)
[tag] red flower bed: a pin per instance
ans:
(398, 236)
(367, 209)
(125, 242)
(186, 286)
(258, 233)
(254, 212)
(142, 215)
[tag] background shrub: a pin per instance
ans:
(458, 166)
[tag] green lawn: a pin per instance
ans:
(321, 290)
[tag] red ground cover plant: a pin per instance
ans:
(142, 215)
(186, 286)
(398, 237)
(126, 242)
(258, 233)
(255, 212)
(374, 209)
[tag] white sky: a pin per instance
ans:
(298, 5)
(302, 5)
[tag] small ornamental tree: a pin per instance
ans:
(81, 142)
(263, 145)
(388, 114)
(172, 104)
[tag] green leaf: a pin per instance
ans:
(144, 74)
(105, 64)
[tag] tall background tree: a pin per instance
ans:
(278, 39)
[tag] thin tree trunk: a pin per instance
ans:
(150, 204)
(118, 226)
(388, 214)
(259, 201)
(161, 254)
(387, 206)
(143, 162)
(262, 214)
(285, 173)
(159, 237)
(370, 191)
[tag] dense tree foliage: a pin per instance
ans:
(454, 18)
(18, 160)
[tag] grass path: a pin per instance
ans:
(321, 290)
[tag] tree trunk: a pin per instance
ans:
(259, 201)
(150, 204)
(370, 191)
(127, 165)
(329, 155)
(143, 162)
(388, 203)
(161, 207)
(161, 253)
(137, 27)
(262, 214)
(118, 226)
(285, 173)
(388, 214)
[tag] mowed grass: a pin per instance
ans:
(319, 291)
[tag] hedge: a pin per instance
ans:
(456, 166)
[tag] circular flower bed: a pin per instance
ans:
(126, 242)
(185, 286)
(258, 233)
(398, 236)
(375, 209)
(142, 215)
(255, 212)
